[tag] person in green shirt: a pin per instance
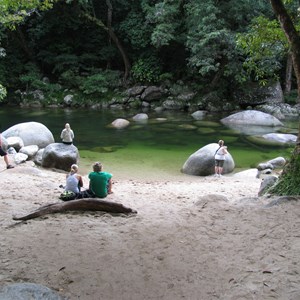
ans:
(100, 182)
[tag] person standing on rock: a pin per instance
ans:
(5, 156)
(67, 135)
(220, 158)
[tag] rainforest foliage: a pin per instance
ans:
(95, 47)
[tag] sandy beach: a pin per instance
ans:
(192, 238)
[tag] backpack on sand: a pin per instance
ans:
(67, 196)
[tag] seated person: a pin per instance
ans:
(100, 182)
(73, 180)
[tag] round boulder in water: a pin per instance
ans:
(31, 133)
(120, 123)
(252, 117)
(140, 117)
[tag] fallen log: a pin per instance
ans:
(87, 204)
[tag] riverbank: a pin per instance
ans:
(193, 238)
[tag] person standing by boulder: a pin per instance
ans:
(220, 158)
(67, 135)
(5, 156)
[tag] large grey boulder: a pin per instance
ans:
(32, 133)
(152, 93)
(202, 162)
(252, 122)
(252, 117)
(60, 156)
(255, 94)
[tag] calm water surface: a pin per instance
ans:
(158, 147)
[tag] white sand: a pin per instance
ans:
(182, 244)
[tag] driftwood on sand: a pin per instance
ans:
(87, 204)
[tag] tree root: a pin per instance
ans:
(87, 204)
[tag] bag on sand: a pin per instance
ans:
(67, 196)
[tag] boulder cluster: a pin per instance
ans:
(34, 141)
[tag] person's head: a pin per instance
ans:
(221, 143)
(74, 168)
(67, 126)
(97, 167)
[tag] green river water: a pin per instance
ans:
(158, 147)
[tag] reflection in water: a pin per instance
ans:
(162, 144)
(253, 129)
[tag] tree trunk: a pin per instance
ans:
(216, 79)
(115, 39)
(109, 25)
(126, 62)
(288, 74)
(289, 180)
(88, 204)
(292, 36)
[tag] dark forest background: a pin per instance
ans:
(97, 49)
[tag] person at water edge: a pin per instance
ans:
(100, 182)
(74, 181)
(67, 135)
(5, 156)
(220, 158)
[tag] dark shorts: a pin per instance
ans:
(219, 163)
(85, 194)
(2, 152)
